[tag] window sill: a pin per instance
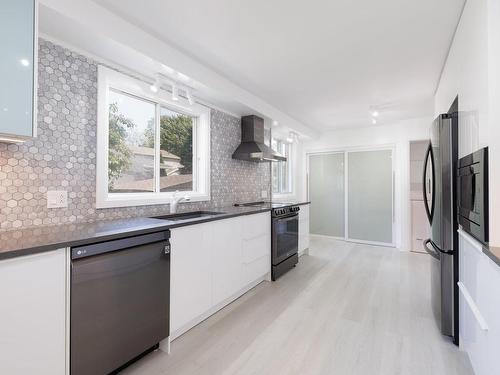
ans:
(147, 199)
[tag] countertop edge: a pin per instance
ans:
(144, 229)
(495, 257)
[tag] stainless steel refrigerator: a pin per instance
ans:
(440, 202)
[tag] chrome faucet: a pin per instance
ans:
(176, 200)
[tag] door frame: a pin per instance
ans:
(346, 150)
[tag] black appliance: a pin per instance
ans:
(473, 194)
(252, 146)
(119, 302)
(284, 236)
(439, 187)
(285, 239)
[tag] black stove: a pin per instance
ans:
(284, 235)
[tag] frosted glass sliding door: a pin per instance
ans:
(326, 193)
(369, 196)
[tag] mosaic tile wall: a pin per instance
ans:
(63, 156)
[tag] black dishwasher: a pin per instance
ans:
(119, 301)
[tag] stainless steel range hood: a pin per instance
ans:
(252, 147)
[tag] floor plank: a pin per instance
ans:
(346, 309)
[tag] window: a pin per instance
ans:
(282, 170)
(149, 146)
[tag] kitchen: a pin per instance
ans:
(121, 151)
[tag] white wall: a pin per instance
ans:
(465, 74)
(472, 72)
(399, 135)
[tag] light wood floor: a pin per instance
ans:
(346, 309)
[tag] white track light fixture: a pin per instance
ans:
(292, 137)
(175, 92)
(156, 85)
(189, 96)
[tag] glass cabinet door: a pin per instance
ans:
(17, 67)
(370, 196)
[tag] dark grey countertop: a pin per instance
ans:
(493, 253)
(16, 243)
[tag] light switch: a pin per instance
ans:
(263, 194)
(57, 198)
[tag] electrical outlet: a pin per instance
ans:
(263, 194)
(57, 198)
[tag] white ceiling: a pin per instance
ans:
(324, 62)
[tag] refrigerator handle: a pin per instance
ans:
(432, 252)
(429, 210)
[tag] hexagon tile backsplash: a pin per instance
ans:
(63, 156)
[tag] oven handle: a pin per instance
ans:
(287, 218)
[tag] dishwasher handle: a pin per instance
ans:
(120, 244)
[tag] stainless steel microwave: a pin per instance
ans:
(473, 194)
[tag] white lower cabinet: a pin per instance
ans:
(214, 263)
(256, 244)
(479, 307)
(33, 314)
(190, 279)
(227, 265)
(303, 228)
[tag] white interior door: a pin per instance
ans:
(369, 202)
(326, 193)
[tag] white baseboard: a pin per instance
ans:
(192, 323)
(303, 252)
(312, 235)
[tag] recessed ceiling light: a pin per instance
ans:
(374, 121)
(25, 62)
(375, 114)
(275, 123)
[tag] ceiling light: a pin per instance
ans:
(292, 137)
(275, 123)
(189, 96)
(25, 62)
(156, 85)
(374, 122)
(375, 114)
(175, 92)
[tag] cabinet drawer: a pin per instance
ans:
(256, 247)
(258, 268)
(256, 225)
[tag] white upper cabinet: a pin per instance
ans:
(18, 38)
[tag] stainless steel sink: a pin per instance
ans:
(188, 215)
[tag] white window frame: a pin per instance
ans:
(290, 162)
(110, 79)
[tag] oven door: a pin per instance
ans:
(285, 234)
